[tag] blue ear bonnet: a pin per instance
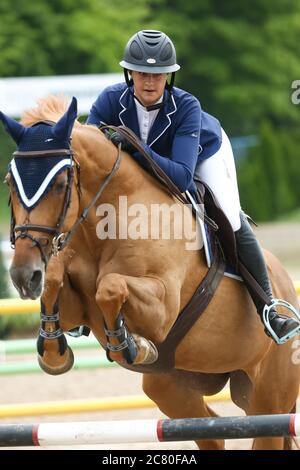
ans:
(41, 137)
(34, 176)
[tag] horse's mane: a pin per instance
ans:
(50, 108)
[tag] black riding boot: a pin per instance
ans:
(250, 254)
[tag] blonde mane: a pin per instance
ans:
(50, 108)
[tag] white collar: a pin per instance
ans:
(142, 108)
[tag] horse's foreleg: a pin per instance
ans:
(55, 356)
(177, 400)
(275, 391)
(141, 301)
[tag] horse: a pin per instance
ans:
(89, 280)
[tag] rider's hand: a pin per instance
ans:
(117, 139)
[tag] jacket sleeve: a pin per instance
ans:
(100, 113)
(180, 166)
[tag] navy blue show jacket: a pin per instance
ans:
(181, 136)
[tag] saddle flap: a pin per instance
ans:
(225, 233)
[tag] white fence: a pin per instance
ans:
(18, 94)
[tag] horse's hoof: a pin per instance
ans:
(60, 369)
(147, 351)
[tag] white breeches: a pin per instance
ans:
(219, 173)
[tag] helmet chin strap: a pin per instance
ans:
(152, 107)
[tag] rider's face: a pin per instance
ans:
(148, 87)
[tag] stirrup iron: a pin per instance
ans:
(266, 312)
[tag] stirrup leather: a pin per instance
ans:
(266, 312)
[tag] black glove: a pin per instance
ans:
(117, 139)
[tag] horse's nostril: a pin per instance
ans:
(36, 279)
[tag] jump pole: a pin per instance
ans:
(112, 432)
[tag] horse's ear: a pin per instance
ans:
(63, 128)
(12, 127)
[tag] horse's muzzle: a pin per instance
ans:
(27, 280)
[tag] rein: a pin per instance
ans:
(60, 242)
(159, 173)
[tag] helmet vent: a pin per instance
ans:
(166, 53)
(152, 34)
(152, 44)
(136, 51)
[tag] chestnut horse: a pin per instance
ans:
(148, 280)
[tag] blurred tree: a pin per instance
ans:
(238, 58)
(290, 147)
(66, 36)
(254, 191)
(264, 179)
(62, 37)
(274, 172)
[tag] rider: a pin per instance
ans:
(183, 140)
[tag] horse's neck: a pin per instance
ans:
(94, 153)
(97, 157)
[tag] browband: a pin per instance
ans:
(42, 153)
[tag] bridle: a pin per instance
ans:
(60, 239)
(22, 230)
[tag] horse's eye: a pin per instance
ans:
(60, 187)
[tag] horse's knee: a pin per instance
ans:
(112, 290)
